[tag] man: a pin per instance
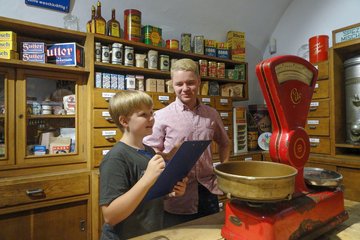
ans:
(187, 119)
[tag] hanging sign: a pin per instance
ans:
(59, 5)
(346, 34)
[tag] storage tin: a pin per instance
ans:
(129, 56)
(152, 35)
(203, 64)
(199, 44)
(172, 44)
(152, 59)
(318, 48)
(212, 69)
(132, 25)
(164, 63)
(352, 95)
(186, 42)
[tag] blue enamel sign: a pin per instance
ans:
(59, 5)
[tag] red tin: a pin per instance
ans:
(318, 48)
(132, 25)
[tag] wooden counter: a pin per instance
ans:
(209, 228)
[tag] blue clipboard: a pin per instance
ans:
(177, 168)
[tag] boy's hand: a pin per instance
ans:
(179, 189)
(154, 168)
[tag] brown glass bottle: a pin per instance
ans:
(113, 26)
(90, 25)
(100, 23)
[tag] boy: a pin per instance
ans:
(129, 170)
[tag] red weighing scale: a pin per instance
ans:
(287, 83)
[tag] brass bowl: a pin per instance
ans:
(256, 180)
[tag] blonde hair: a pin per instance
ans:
(124, 103)
(185, 64)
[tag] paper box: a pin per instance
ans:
(67, 54)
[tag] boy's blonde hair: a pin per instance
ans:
(185, 64)
(124, 103)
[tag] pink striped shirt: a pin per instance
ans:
(176, 122)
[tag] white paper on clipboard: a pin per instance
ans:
(177, 168)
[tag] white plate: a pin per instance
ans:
(264, 140)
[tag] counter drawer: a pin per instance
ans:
(98, 154)
(319, 108)
(25, 191)
(320, 145)
(161, 100)
(102, 118)
(323, 70)
(102, 97)
(318, 126)
(106, 137)
(227, 117)
(207, 100)
(223, 103)
(321, 89)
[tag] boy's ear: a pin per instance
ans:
(123, 121)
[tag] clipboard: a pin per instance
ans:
(177, 168)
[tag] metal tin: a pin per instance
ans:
(105, 54)
(199, 44)
(186, 42)
(152, 59)
(164, 63)
(132, 25)
(152, 35)
(203, 64)
(129, 56)
(352, 95)
(220, 70)
(212, 69)
(172, 44)
(98, 52)
(116, 53)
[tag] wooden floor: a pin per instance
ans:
(209, 228)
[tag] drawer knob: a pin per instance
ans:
(110, 139)
(312, 127)
(35, 193)
(109, 119)
(313, 109)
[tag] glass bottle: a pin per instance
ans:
(100, 23)
(90, 25)
(113, 26)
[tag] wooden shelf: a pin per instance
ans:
(46, 116)
(41, 66)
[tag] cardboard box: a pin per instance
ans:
(236, 41)
(7, 36)
(160, 85)
(67, 54)
(34, 57)
(33, 47)
(8, 54)
(8, 45)
(150, 84)
(59, 145)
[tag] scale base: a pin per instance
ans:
(304, 217)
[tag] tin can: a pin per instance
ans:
(212, 69)
(186, 42)
(116, 53)
(164, 63)
(203, 64)
(132, 25)
(152, 35)
(98, 52)
(105, 54)
(318, 48)
(172, 44)
(129, 56)
(199, 44)
(152, 59)
(221, 70)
